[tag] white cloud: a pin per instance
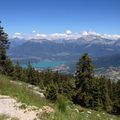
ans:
(17, 35)
(37, 36)
(85, 33)
(68, 35)
(57, 36)
(68, 32)
(41, 36)
(34, 31)
(115, 37)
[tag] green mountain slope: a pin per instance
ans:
(26, 95)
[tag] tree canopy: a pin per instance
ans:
(4, 44)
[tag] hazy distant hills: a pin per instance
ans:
(108, 61)
(105, 51)
(67, 48)
(16, 42)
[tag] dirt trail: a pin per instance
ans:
(11, 107)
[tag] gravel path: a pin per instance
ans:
(9, 106)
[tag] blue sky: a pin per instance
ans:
(51, 16)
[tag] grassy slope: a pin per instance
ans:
(6, 117)
(22, 93)
(25, 95)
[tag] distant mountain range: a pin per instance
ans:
(68, 49)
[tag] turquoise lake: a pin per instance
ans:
(45, 64)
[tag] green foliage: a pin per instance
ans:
(21, 92)
(84, 68)
(64, 84)
(8, 67)
(51, 92)
(7, 117)
(116, 97)
(91, 91)
(84, 81)
(17, 73)
(104, 94)
(30, 74)
(61, 103)
(3, 117)
(25, 95)
(3, 46)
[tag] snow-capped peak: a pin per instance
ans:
(67, 35)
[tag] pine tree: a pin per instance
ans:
(8, 67)
(84, 81)
(17, 73)
(4, 44)
(30, 72)
(51, 92)
(110, 92)
(87, 90)
(116, 97)
(84, 70)
(104, 93)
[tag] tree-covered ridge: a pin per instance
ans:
(4, 44)
(84, 88)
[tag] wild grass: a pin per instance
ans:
(7, 117)
(3, 117)
(71, 114)
(20, 92)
